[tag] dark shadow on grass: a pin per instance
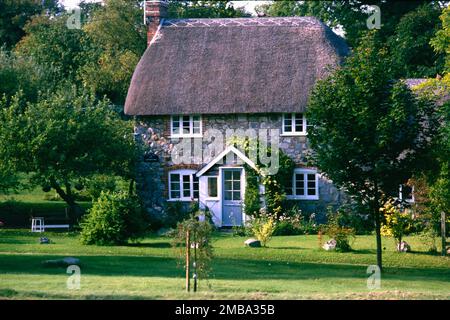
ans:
(150, 245)
(223, 268)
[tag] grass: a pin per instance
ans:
(290, 268)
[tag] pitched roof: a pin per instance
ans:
(237, 65)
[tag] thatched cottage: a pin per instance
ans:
(202, 78)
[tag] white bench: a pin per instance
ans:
(38, 225)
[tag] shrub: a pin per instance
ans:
(339, 233)
(356, 216)
(396, 223)
(201, 252)
(263, 226)
(113, 219)
(252, 203)
(290, 223)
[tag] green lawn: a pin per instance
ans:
(291, 268)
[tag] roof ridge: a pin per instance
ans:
(295, 21)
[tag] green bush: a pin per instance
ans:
(341, 234)
(252, 202)
(113, 219)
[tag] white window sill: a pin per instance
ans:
(295, 134)
(181, 200)
(212, 199)
(302, 197)
(186, 136)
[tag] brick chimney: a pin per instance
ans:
(155, 11)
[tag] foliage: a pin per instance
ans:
(113, 219)
(290, 223)
(335, 231)
(200, 233)
(351, 15)
(356, 216)
(19, 73)
(177, 212)
(65, 138)
(53, 46)
(263, 226)
(429, 238)
(203, 9)
(411, 52)
(397, 222)
(114, 41)
(252, 202)
(441, 42)
(15, 14)
(369, 132)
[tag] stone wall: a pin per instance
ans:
(153, 134)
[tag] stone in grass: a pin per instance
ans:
(448, 250)
(65, 262)
(330, 245)
(403, 247)
(253, 243)
(44, 240)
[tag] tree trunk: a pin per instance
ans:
(75, 210)
(131, 187)
(443, 234)
(378, 235)
(376, 208)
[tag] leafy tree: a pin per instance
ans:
(20, 73)
(53, 46)
(410, 46)
(15, 14)
(65, 138)
(351, 15)
(368, 130)
(441, 42)
(114, 41)
(204, 9)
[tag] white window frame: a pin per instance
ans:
(183, 172)
(305, 196)
(191, 133)
(400, 194)
(208, 197)
(293, 132)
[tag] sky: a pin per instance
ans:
(249, 5)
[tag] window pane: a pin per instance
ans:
(186, 125)
(287, 123)
(236, 175)
(186, 186)
(298, 122)
(175, 125)
(228, 195)
(237, 195)
(212, 187)
(227, 175)
(196, 124)
(196, 191)
(228, 185)
(311, 184)
(236, 185)
(299, 184)
(175, 186)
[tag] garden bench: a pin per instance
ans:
(38, 225)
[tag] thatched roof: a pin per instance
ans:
(241, 65)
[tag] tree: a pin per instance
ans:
(52, 45)
(368, 130)
(204, 9)
(114, 41)
(64, 139)
(15, 14)
(410, 46)
(351, 15)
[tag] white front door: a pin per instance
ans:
(232, 196)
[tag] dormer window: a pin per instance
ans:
(186, 126)
(294, 124)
